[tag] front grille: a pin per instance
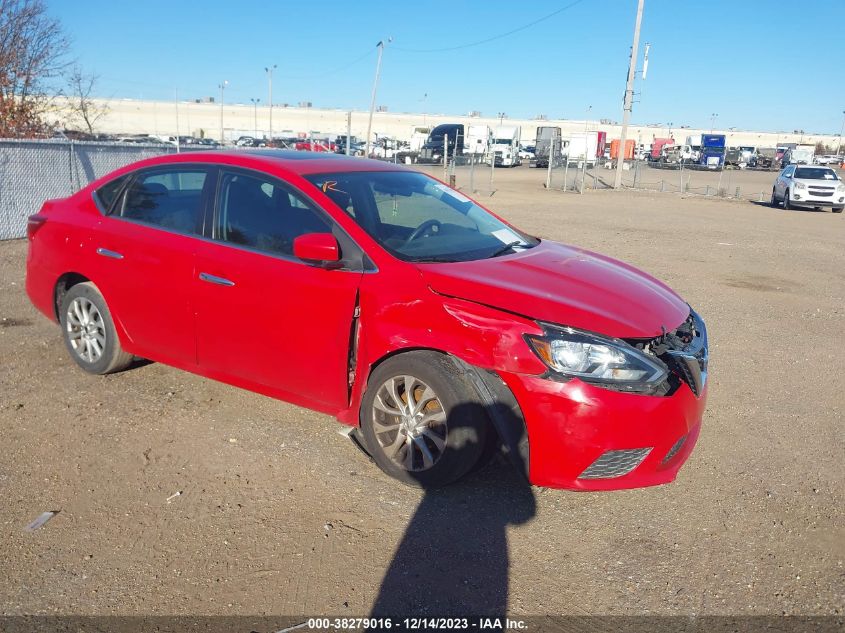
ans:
(821, 194)
(674, 450)
(615, 464)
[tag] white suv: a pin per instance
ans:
(809, 186)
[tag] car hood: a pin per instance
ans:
(567, 286)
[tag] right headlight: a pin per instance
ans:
(606, 362)
(799, 185)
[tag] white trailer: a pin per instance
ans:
(583, 146)
(477, 141)
(505, 146)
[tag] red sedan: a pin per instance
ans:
(383, 297)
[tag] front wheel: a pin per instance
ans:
(422, 421)
(837, 209)
(88, 331)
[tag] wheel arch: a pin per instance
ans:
(503, 411)
(64, 283)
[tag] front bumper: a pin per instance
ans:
(808, 197)
(582, 437)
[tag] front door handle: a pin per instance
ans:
(214, 279)
(107, 253)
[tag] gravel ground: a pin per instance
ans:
(279, 514)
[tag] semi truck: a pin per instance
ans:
(505, 146)
(433, 149)
(548, 141)
(707, 150)
(800, 155)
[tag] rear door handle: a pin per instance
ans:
(214, 279)
(107, 253)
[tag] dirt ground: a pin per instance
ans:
(279, 514)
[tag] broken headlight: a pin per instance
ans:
(605, 362)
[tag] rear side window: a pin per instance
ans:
(261, 214)
(170, 199)
(106, 195)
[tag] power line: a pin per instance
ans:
(489, 39)
(333, 70)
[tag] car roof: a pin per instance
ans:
(297, 162)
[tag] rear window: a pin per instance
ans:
(814, 173)
(106, 195)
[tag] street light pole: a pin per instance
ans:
(841, 130)
(380, 47)
(628, 102)
(222, 88)
(269, 70)
(255, 114)
(713, 122)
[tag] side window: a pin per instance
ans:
(788, 172)
(170, 199)
(106, 195)
(260, 213)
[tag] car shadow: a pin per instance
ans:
(453, 559)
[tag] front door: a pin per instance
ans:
(263, 315)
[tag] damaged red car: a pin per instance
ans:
(385, 298)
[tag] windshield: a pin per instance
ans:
(815, 173)
(418, 219)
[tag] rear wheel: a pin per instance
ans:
(88, 331)
(786, 205)
(422, 421)
(774, 202)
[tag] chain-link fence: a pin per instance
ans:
(32, 171)
(574, 174)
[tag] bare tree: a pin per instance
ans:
(80, 102)
(32, 52)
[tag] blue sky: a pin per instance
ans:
(728, 57)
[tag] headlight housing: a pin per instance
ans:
(799, 185)
(840, 187)
(605, 362)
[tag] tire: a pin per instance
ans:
(426, 455)
(837, 209)
(774, 201)
(88, 331)
(786, 205)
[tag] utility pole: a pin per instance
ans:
(628, 103)
(255, 115)
(222, 88)
(269, 70)
(349, 133)
(713, 122)
(841, 130)
(380, 47)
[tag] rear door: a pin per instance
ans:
(264, 316)
(144, 250)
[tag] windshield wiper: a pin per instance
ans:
(433, 259)
(508, 247)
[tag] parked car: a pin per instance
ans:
(383, 297)
(809, 186)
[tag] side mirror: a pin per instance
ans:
(318, 248)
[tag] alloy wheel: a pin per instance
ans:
(409, 422)
(86, 330)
